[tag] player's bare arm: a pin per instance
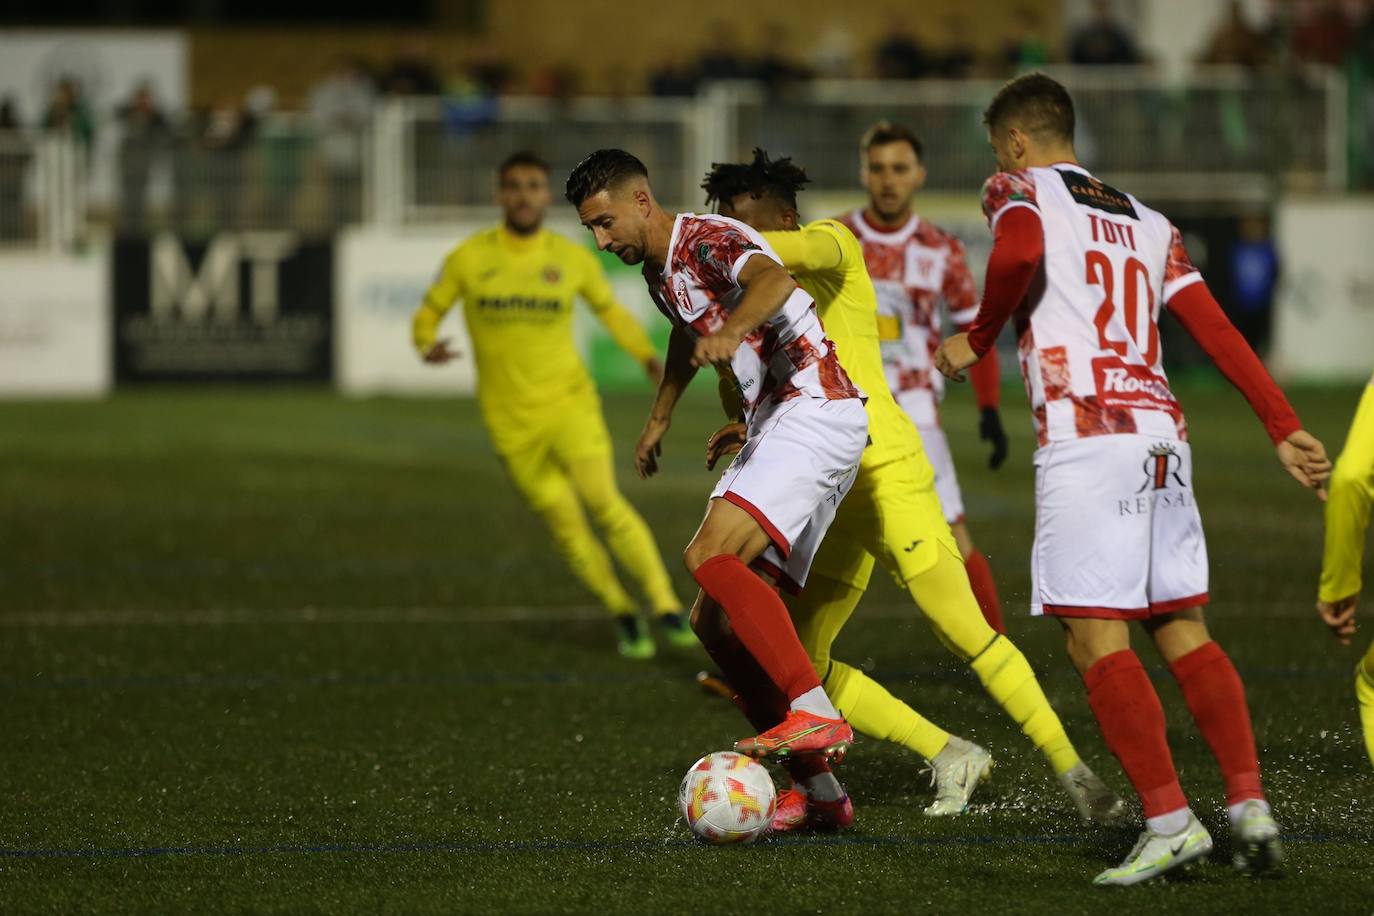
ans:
(678, 372)
(766, 284)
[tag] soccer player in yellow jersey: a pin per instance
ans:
(1350, 494)
(517, 282)
(893, 514)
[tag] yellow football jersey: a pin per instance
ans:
(848, 307)
(518, 295)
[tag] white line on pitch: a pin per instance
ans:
(489, 614)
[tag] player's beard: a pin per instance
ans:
(890, 213)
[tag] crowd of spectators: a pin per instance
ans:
(211, 146)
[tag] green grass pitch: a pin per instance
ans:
(275, 651)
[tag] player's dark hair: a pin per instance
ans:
(1034, 103)
(779, 179)
(603, 169)
(518, 158)
(885, 132)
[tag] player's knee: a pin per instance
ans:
(702, 549)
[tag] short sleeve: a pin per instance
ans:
(1178, 267)
(1005, 190)
(717, 252)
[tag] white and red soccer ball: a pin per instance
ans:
(727, 798)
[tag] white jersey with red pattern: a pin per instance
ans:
(787, 356)
(915, 269)
(1088, 333)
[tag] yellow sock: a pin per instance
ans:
(1008, 679)
(583, 553)
(1364, 692)
(873, 711)
(877, 713)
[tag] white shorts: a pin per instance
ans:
(800, 460)
(946, 482)
(1117, 530)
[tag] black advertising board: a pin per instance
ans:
(239, 306)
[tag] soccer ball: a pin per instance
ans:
(727, 798)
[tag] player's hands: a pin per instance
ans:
(954, 356)
(727, 440)
(650, 446)
(653, 368)
(990, 430)
(1340, 617)
(1303, 456)
(715, 349)
(440, 353)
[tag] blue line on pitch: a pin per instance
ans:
(584, 846)
(563, 678)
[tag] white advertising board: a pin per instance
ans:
(54, 325)
(1324, 321)
(380, 278)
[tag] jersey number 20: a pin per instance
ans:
(1139, 323)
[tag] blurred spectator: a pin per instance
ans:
(67, 112)
(901, 56)
(13, 159)
(832, 55)
(1235, 41)
(228, 131)
(468, 103)
(673, 78)
(145, 140)
(412, 73)
(957, 58)
(340, 108)
(559, 82)
(1254, 280)
(777, 72)
(721, 60)
(1027, 49)
(1323, 32)
(1102, 41)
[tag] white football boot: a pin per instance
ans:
(1096, 803)
(1155, 853)
(955, 772)
(1255, 840)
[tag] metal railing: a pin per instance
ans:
(1223, 133)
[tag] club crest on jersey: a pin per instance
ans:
(1161, 465)
(552, 274)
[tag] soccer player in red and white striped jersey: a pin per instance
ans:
(734, 306)
(918, 270)
(1086, 269)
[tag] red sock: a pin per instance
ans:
(985, 590)
(760, 620)
(1216, 698)
(1132, 722)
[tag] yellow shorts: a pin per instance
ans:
(892, 514)
(537, 447)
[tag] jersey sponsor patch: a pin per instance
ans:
(1090, 192)
(1121, 384)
